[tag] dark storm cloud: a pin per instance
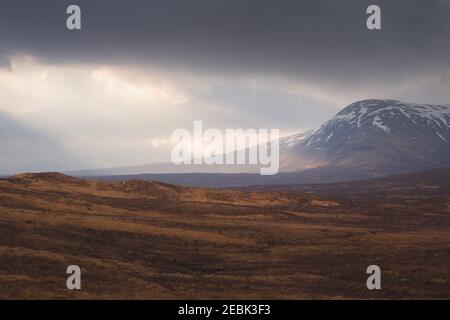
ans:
(313, 38)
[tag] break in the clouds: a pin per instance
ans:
(111, 93)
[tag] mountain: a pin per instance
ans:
(286, 145)
(367, 139)
(379, 137)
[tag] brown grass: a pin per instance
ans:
(144, 240)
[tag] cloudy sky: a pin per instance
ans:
(112, 93)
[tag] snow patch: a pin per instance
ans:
(329, 137)
(378, 123)
(441, 136)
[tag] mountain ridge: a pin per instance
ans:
(382, 136)
(368, 138)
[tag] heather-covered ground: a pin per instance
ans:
(143, 240)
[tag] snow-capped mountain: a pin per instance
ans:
(369, 138)
(378, 137)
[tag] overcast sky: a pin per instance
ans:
(112, 93)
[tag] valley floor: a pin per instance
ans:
(143, 240)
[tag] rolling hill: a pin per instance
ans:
(151, 240)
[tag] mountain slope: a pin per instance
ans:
(369, 138)
(286, 145)
(379, 137)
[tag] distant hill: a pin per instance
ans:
(421, 184)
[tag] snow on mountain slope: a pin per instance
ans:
(379, 114)
(369, 138)
(378, 136)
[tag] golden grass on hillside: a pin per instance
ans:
(150, 240)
